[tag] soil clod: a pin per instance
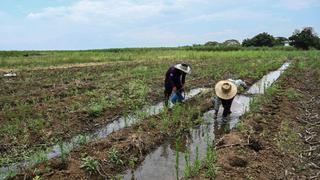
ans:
(237, 162)
(255, 145)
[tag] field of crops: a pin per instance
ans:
(57, 95)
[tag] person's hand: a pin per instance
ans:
(174, 89)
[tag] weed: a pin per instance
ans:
(62, 151)
(114, 157)
(96, 106)
(95, 109)
(36, 178)
(39, 157)
(192, 170)
(178, 142)
(132, 162)
(81, 139)
(241, 127)
(89, 164)
(292, 94)
(210, 163)
(249, 177)
(287, 138)
(37, 124)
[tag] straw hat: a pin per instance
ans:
(183, 67)
(225, 89)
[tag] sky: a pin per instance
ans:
(97, 24)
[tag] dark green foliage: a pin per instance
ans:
(305, 39)
(262, 39)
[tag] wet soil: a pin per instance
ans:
(202, 107)
(132, 143)
(282, 139)
(54, 96)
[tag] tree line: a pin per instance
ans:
(304, 39)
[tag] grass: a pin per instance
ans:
(287, 139)
(292, 94)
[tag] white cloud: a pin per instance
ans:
(101, 11)
(300, 4)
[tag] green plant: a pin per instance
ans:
(62, 151)
(293, 94)
(36, 178)
(192, 170)
(249, 177)
(210, 163)
(95, 109)
(241, 127)
(37, 124)
(178, 141)
(287, 138)
(81, 139)
(89, 164)
(114, 157)
(132, 162)
(39, 157)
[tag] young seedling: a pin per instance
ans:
(114, 157)
(89, 164)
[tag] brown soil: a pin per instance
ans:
(283, 138)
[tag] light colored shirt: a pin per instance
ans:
(238, 82)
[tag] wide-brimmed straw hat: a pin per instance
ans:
(225, 89)
(183, 67)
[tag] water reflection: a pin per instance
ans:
(157, 166)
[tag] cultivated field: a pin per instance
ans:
(57, 95)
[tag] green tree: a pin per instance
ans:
(262, 39)
(304, 39)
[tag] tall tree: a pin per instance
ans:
(304, 39)
(262, 39)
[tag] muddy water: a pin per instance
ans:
(103, 132)
(161, 163)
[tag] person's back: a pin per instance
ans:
(175, 79)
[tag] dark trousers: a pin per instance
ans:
(226, 106)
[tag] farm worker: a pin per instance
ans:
(226, 90)
(174, 82)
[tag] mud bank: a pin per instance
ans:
(280, 140)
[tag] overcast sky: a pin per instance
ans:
(92, 24)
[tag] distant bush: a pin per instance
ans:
(305, 39)
(231, 42)
(262, 39)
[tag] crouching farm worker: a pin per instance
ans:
(225, 93)
(174, 82)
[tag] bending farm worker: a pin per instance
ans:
(217, 102)
(174, 82)
(225, 93)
